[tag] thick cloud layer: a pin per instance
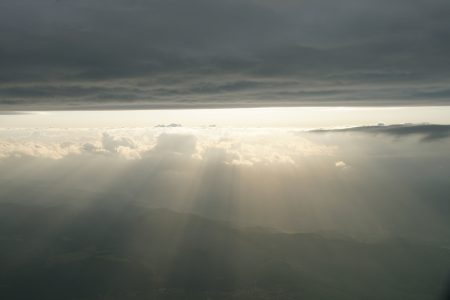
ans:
(105, 54)
(361, 185)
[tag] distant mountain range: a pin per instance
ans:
(57, 252)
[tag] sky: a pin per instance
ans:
(269, 117)
(116, 54)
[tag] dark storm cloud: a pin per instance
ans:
(428, 132)
(226, 53)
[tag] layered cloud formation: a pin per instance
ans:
(175, 53)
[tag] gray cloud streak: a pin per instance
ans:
(428, 132)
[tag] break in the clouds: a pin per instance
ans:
(176, 53)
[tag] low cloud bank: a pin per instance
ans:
(428, 132)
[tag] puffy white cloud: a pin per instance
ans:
(112, 144)
(228, 146)
(180, 144)
(341, 165)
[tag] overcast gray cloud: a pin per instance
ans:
(59, 54)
